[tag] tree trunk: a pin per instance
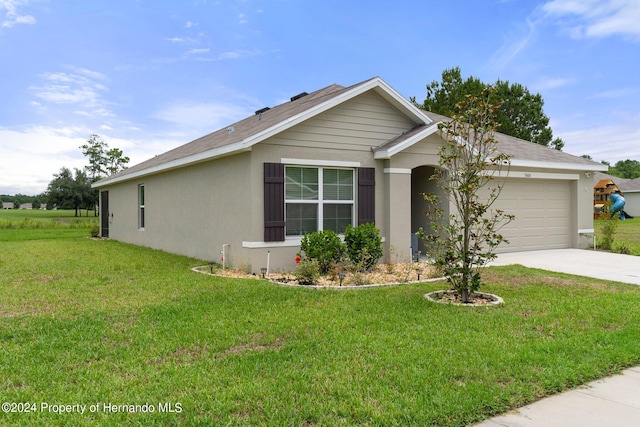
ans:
(465, 296)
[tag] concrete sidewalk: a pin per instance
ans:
(612, 401)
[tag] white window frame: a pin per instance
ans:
(320, 201)
(141, 207)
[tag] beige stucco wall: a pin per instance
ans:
(191, 211)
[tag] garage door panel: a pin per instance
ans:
(542, 209)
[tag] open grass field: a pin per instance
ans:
(116, 327)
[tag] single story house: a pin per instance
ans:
(336, 156)
(631, 191)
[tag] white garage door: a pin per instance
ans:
(543, 214)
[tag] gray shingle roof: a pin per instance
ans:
(251, 126)
(521, 149)
(241, 130)
(630, 185)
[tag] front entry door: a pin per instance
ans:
(104, 214)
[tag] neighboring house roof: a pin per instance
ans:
(630, 186)
(599, 176)
(242, 135)
(7, 205)
(625, 185)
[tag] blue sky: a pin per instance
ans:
(149, 75)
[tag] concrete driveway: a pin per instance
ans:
(581, 262)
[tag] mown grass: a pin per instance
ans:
(92, 322)
(627, 234)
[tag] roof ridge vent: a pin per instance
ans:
(262, 110)
(298, 96)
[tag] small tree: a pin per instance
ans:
(103, 161)
(469, 160)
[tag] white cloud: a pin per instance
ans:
(32, 155)
(80, 87)
(202, 118)
(613, 94)
(198, 51)
(551, 83)
(13, 15)
(36, 153)
(597, 18)
(514, 44)
(611, 142)
(176, 40)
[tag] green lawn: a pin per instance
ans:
(627, 234)
(101, 323)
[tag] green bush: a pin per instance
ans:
(324, 247)
(610, 225)
(95, 230)
(308, 272)
(364, 245)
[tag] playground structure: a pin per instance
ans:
(601, 195)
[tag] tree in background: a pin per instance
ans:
(103, 161)
(520, 113)
(464, 241)
(69, 191)
(628, 169)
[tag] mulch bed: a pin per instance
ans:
(381, 274)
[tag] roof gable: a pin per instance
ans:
(242, 135)
(524, 153)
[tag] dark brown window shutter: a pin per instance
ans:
(366, 195)
(273, 202)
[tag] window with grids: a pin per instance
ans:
(318, 199)
(141, 206)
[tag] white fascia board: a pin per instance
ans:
(386, 154)
(563, 166)
(214, 153)
(390, 92)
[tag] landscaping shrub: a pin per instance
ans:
(325, 247)
(308, 272)
(610, 225)
(95, 230)
(364, 245)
